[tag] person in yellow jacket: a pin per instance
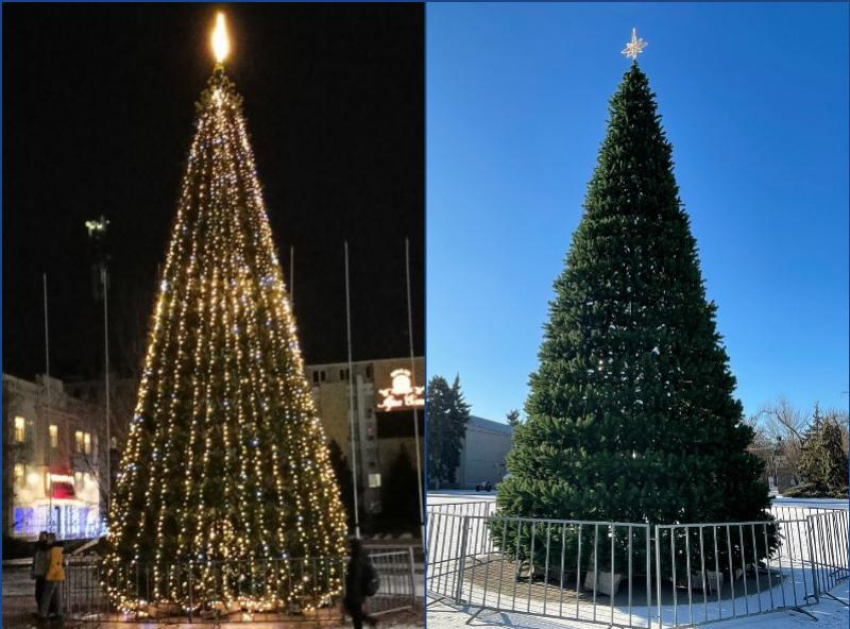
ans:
(53, 579)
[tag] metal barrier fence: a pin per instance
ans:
(718, 571)
(829, 544)
(791, 512)
(479, 508)
(535, 566)
(631, 574)
(84, 599)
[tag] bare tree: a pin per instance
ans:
(783, 420)
(781, 431)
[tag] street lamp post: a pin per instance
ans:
(97, 233)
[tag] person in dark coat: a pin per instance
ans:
(39, 565)
(357, 582)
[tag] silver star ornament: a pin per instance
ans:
(634, 47)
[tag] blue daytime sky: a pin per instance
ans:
(754, 99)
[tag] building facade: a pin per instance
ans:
(51, 465)
(388, 402)
(388, 399)
(485, 446)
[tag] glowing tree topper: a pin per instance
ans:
(226, 497)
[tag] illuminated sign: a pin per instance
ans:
(403, 393)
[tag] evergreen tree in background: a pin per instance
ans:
(226, 458)
(448, 414)
(400, 511)
(513, 418)
(342, 473)
(823, 460)
(631, 415)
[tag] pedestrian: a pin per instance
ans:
(39, 566)
(53, 580)
(361, 581)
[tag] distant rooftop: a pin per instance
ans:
(489, 424)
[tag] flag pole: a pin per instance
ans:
(419, 476)
(104, 277)
(47, 386)
(351, 415)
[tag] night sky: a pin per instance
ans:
(98, 114)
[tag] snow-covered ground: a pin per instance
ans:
(811, 503)
(831, 613)
(444, 496)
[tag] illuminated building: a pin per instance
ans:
(51, 464)
(385, 399)
(383, 411)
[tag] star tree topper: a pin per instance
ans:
(634, 47)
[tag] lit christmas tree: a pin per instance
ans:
(226, 459)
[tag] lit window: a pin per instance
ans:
(19, 474)
(54, 436)
(87, 442)
(78, 441)
(20, 429)
(47, 482)
(374, 481)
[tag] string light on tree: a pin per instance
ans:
(226, 460)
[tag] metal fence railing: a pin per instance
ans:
(633, 574)
(559, 568)
(219, 591)
(479, 508)
(829, 545)
(718, 571)
(796, 512)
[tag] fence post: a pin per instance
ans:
(412, 578)
(812, 557)
(190, 592)
(462, 560)
(658, 574)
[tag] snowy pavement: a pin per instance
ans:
(406, 620)
(829, 613)
(446, 496)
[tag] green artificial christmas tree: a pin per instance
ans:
(226, 497)
(631, 415)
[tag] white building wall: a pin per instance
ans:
(486, 445)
